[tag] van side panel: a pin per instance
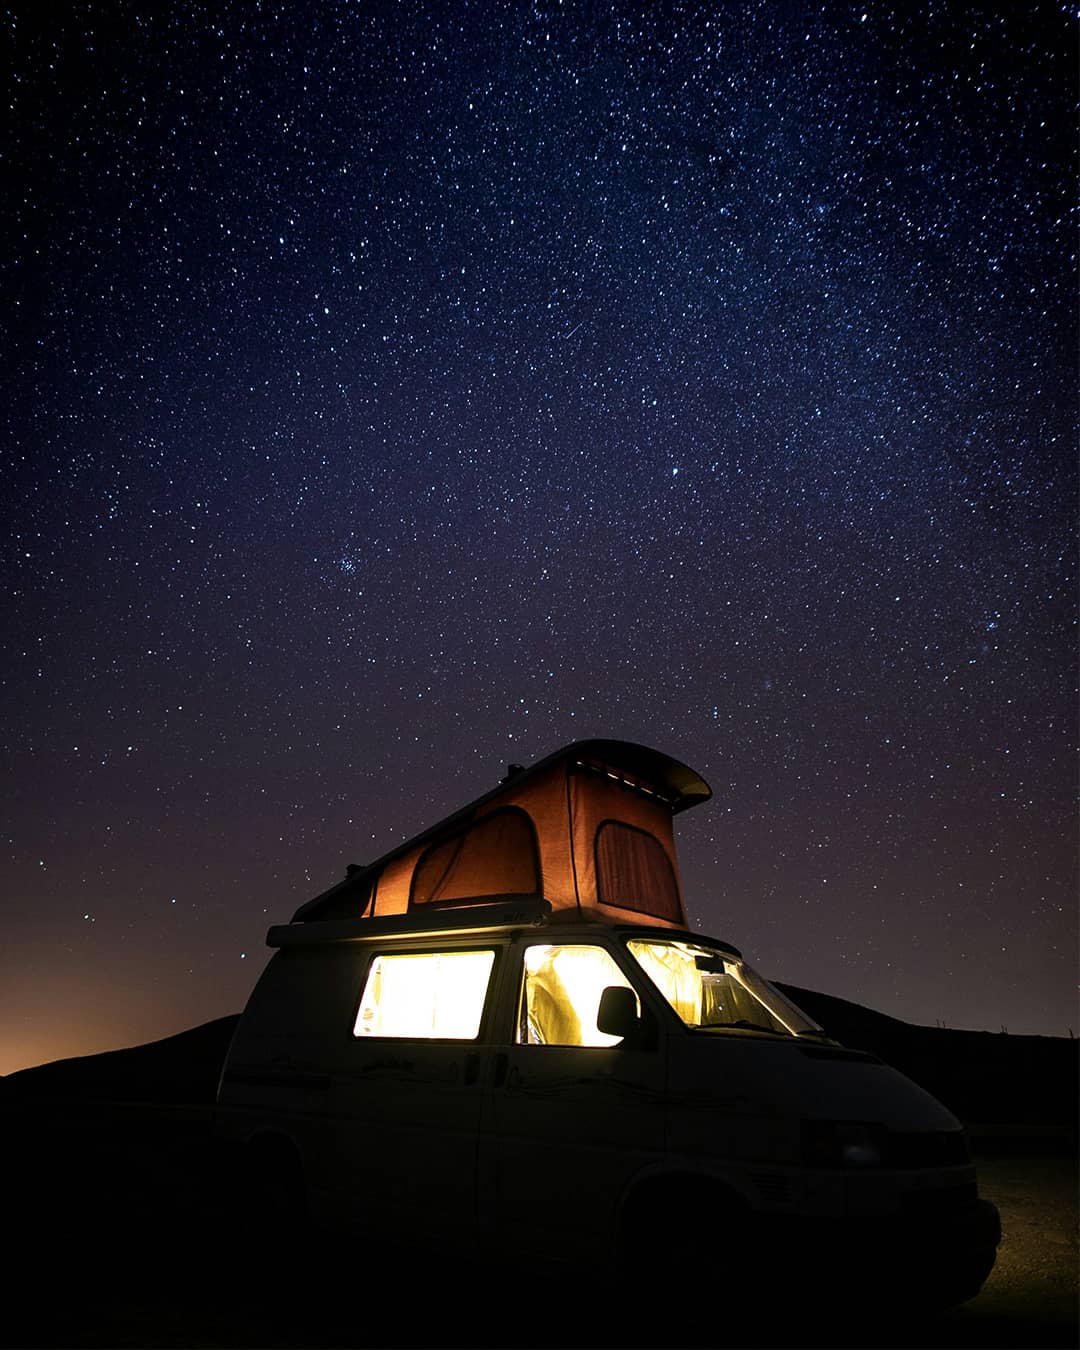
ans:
(289, 1047)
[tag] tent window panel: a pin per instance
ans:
(634, 872)
(425, 995)
(496, 855)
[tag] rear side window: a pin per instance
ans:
(425, 995)
(634, 872)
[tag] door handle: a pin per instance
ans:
(502, 1062)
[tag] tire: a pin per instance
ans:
(686, 1229)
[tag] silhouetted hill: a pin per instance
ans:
(981, 1076)
(178, 1069)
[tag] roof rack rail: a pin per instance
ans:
(475, 918)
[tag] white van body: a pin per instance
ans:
(565, 1084)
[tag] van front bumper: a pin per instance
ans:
(934, 1259)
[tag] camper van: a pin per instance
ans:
(506, 1032)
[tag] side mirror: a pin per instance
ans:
(617, 1014)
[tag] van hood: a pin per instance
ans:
(750, 1093)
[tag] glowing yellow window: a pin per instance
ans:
(561, 995)
(426, 995)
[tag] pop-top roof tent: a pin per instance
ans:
(588, 829)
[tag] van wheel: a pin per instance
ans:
(686, 1228)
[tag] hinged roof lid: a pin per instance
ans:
(588, 827)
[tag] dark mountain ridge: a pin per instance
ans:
(180, 1069)
(983, 1077)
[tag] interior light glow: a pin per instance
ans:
(428, 995)
(732, 994)
(673, 969)
(562, 992)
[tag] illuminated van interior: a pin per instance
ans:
(561, 994)
(426, 995)
(712, 991)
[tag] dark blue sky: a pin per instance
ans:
(393, 391)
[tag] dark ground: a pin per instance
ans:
(113, 1245)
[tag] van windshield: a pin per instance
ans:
(712, 990)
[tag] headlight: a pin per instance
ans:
(842, 1143)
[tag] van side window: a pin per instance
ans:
(560, 995)
(425, 995)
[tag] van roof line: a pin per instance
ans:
(477, 918)
(638, 767)
(486, 916)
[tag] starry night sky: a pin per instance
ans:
(393, 391)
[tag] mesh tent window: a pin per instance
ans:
(491, 857)
(634, 872)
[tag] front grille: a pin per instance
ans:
(773, 1187)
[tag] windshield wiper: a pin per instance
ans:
(743, 1025)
